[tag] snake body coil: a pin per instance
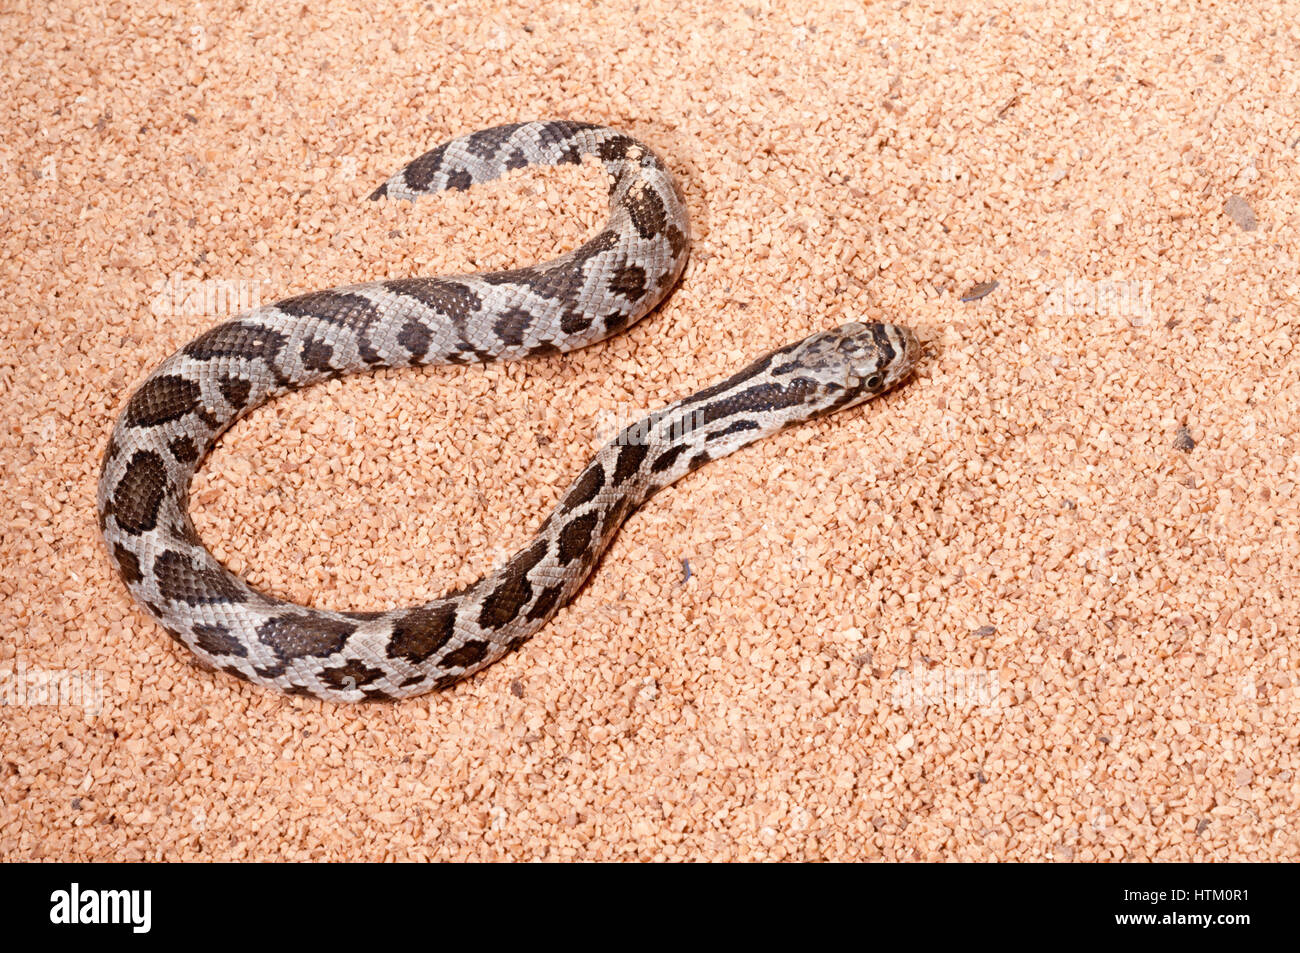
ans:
(172, 420)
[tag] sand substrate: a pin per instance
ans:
(1038, 603)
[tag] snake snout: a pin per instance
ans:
(911, 347)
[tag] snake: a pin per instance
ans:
(174, 417)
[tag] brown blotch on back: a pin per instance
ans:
(353, 674)
(415, 337)
(615, 148)
(514, 591)
(562, 281)
(628, 281)
(450, 298)
(184, 450)
(217, 640)
(647, 211)
(666, 459)
(137, 496)
(574, 321)
(181, 581)
(422, 632)
(236, 339)
(545, 603)
(161, 400)
(575, 538)
(677, 242)
(512, 325)
(128, 564)
(486, 142)
(630, 458)
(235, 390)
(616, 321)
(293, 636)
(336, 307)
(317, 355)
(588, 485)
(468, 654)
(420, 172)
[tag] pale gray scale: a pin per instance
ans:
(457, 159)
(575, 300)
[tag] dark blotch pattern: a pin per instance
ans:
(139, 493)
(184, 450)
(293, 636)
(677, 242)
(365, 615)
(422, 632)
(699, 460)
(615, 148)
(353, 674)
(614, 518)
(562, 282)
(576, 537)
(415, 337)
(217, 640)
(666, 459)
(181, 581)
(127, 563)
(543, 348)
(588, 485)
(236, 339)
(468, 654)
(616, 322)
(487, 142)
(574, 322)
(337, 307)
(512, 325)
(739, 426)
(468, 354)
(161, 400)
(235, 390)
(628, 281)
(630, 458)
(514, 591)
(545, 603)
(420, 172)
(317, 355)
(647, 211)
(449, 298)
(557, 132)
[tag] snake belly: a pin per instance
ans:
(174, 417)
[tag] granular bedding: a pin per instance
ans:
(1037, 603)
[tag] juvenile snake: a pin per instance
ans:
(171, 421)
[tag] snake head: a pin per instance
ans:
(853, 362)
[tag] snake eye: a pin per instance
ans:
(873, 381)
